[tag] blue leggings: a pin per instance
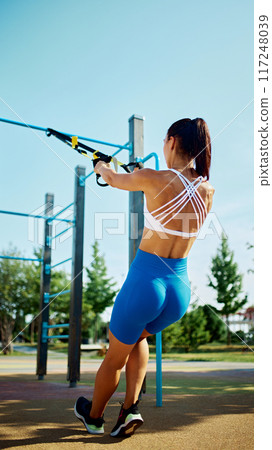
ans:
(155, 294)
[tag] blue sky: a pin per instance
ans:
(85, 67)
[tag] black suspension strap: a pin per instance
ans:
(81, 148)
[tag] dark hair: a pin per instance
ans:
(193, 138)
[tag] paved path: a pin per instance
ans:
(57, 363)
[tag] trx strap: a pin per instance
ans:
(73, 142)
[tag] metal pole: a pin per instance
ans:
(45, 289)
(159, 369)
(96, 141)
(35, 216)
(136, 226)
(73, 372)
(136, 199)
(20, 258)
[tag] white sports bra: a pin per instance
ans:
(158, 220)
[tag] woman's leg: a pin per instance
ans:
(108, 375)
(136, 371)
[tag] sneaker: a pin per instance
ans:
(128, 421)
(82, 410)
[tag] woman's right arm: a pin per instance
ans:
(139, 180)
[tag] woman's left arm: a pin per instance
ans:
(139, 180)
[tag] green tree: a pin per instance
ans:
(13, 296)
(215, 326)
(189, 332)
(99, 292)
(60, 306)
(227, 282)
(20, 297)
(170, 337)
(33, 281)
(193, 331)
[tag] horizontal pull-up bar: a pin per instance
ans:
(26, 125)
(21, 124)
(36, 216)
(62, 232)
(20, 258)
(46, 296)
(60, 212)
(61, 262)
(58, 294)
(45, 327)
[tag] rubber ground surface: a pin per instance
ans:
(201, 410)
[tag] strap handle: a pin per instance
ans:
(104, 158)
(98, 182)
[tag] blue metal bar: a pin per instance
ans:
(152, 155)
(58, 336)
(21, 259)
(45, 327)
(58, 294)
(158, 369)
(60, 325)
(115, 153)
(109, 144)
(21, 124)
(36, 216)
(62, 232)
(61, 211)
(44, 332)
(13, 122)
(62, 262)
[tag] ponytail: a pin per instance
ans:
(193, 139)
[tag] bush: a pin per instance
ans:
(188, 333)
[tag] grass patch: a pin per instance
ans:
(14, 353)
(59, 347)
(208, 352)
(227, 357)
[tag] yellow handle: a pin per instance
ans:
(74, 141)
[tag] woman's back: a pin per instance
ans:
(180, 203)
(178, 199)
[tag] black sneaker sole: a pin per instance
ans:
(90, 430)
(127, 429)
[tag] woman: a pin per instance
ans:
(156, 292)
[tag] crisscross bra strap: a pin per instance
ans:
(174, 207)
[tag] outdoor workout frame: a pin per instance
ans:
(135, 146)
(74, 325)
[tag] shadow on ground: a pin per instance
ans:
(53, 422)
(41, 414)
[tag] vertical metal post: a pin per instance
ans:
(159, 369)
(136, 226)
(45, 289)
(136, 199)
(73, 373)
